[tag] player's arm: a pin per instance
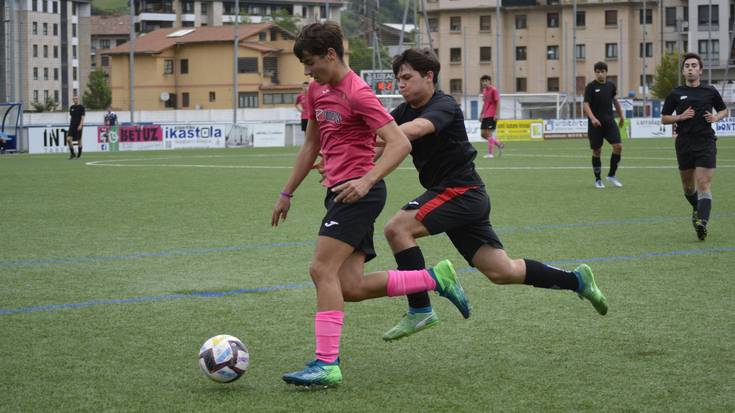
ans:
(299, 106)
(81, 123)
(304, 163)
(590, 115)
(417, 128)
(619, 109)
(715, 117)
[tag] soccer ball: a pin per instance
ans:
(224, 358)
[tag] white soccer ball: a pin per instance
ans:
(224, 358)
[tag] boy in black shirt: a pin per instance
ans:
(455, 200)
(599, 97)
(76, 125)
(696, 151)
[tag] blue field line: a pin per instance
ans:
(217, 294)
(198, 251)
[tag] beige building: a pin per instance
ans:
(192, 68)
(107, 32)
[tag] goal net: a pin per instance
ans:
(10, 115)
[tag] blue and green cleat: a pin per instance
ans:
(317, 374)
(447, 285)
(411, 323)
(589, 289)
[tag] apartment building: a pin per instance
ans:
(156, 14)
(192, 68)
(107, 32)
(46, 50)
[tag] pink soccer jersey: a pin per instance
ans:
(348, 115)
(491, 98)
(301, 99)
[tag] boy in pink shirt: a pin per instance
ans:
(344, 117)
(301, 106)
(491, 101)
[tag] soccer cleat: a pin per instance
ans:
(501, 146)
(317, 373)
(411, 324)
(599, 184)
(695, 218)
(488, 156)
(72, 157)
(614, 181)
(447, 285)
(701, 227)
(590, 290)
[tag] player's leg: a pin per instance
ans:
(486, 134)
(494, 138)
(612, 134)
(703, 178)
(690, 192)
(70, 143)
(595, 137)
(79, 143)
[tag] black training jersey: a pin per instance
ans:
(76, 112)
(445, 157)
(600, 97)
(702, 99)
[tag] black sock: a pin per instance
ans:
(596, 166)
(704, 206)
(79, 152)
(614, 161)
(413, 259)
(71, 149)
(692, 198)
(541, 275)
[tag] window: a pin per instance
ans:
(56, 29)
(105, 60)
(45, 51)
(45, 29)
(670, 47)
(56, 96)
(649, 16)
(581, 19)
(552, 52)
(105, 43)
(55, 7)
(521, 53)
(580, 52)
(35, 50)
(56, 52)
(486, 54)
(274, 35)
(184, 66)
(455, 86)
(611, 17)
(649, 80)
(262, 36)
(74, 73)
(247, 65)
(649, 49)
(247, 100)
(279, 98)
(171, 102)
(73, 9)
(229, 7)
(686, 14)
(185, 100)
(520, 84)
(118, 42)
(670, 16)
(485, 23)
(35, 92)
(455, 55)
(613, 79)
(74, 52)
(75, 92)
(205, 8)
(34, 6)
(187, 7)
(44, 3)
(35, 25)
(552, 19)
(56, 73)
(705, 14)
(552, 84)
(168, 67)
(580, 84)
(212, 96)
(455, 23)
(45, 73)
(35, 73)
(74, 29)
(611, 50)
(709, 51)
(521, 21)
(187, 24)
(433, 25)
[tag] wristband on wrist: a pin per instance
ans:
(286, 194)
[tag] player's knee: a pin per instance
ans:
(352, 294)
(498, 277)
(319, 272)
(395, 230)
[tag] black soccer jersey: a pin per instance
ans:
(702, 99)
(444, 158)
(600, 98)
(76, 112)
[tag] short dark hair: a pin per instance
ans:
(600, 66)
(485, 77)
(317, 38)
(691, 56)
(421, 60)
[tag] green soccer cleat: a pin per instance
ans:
(316, 373)
(695, 218)
(590, 290)
(701, 227)
(411, 324)
(447, 285)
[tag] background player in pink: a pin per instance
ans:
(344, 118)
(301, 106)
(491, 102)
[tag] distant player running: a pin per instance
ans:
(599, 98)
(696, 148)
(455, 201)
(344, 117)
(76, 126)
(490, 105)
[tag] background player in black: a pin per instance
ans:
(455, 200)
(599, 97)
(77, 112)
(696, 151)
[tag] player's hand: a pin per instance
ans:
(687, 114)
(621, 123)
(351, 191)
(379, 142)
(319, 166)
(79, 128)
(710, 117)
(280, 210)
(596, 123)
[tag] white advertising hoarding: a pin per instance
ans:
(268, 134)
(649, 128)
(565, 128)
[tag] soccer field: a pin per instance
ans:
(115, 268)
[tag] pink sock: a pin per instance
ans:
(490, 141)
(328, 329)
(409, 282)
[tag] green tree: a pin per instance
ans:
(98, 94)
(667, 75)
(361, 56)
(48, 106)
(286, 21)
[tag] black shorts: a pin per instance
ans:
(304, 122)
(75, 134)
(701, 154)
(488, 123)
(462, 212)
(354, 223)
(607, 130)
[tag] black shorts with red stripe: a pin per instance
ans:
(462, 212)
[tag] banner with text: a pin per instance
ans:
(565, 128)
(520, 130)
(268, 134)
(649, 128)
